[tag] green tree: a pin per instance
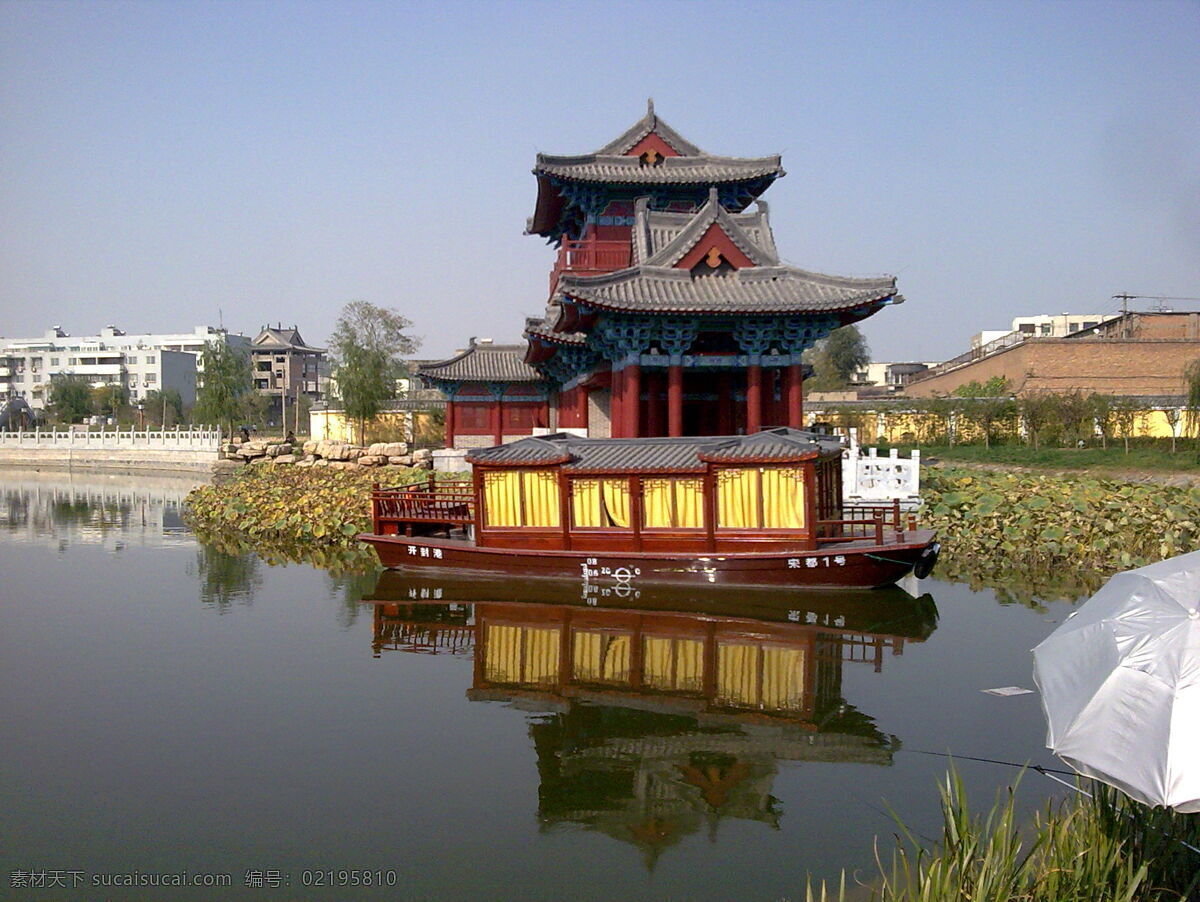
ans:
(837, 358)
(164, 408)
(228, 385)
(996, 387)
(368, 347)
(70, 398)
(1125, 413)
(1191, 401)
(1103, 415)
(107, 400)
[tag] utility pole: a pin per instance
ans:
(1124, 298)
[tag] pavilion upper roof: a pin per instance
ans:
(677, 162)
(483, 362)
(615, 162)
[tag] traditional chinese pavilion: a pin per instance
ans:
(670, 311)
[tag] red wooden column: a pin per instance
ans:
(725, 403)
(496, 414)
(633, 400)
(450, 423)
(753, 398)
(675, 399)
(795, 397)
(654, 409)
(616, 408)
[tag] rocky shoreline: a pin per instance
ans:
(240, 452)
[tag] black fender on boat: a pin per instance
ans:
(928, 559)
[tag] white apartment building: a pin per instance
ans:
(890, 375)
(140, 363)
(1044, 325)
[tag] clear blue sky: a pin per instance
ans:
(161, 162)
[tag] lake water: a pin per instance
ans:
(166, 708)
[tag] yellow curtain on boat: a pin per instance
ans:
(522, 655)
(585, 502)
(502, 498)
(672, 665)
(675, 503)
(616, 502)
(600, 657)
(656, 503)
(737, 498)
(541, 498)
(783, 498)
(783, 678)
(689, 503)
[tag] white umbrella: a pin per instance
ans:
(1120, 682)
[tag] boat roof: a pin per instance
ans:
(689, 454)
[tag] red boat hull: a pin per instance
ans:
(851, 565)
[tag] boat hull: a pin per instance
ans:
(838, 567)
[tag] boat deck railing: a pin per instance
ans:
(866, 522)
(423, 504)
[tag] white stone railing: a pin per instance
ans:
(178, 439)
(871, 479)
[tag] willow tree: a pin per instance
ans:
(368, 347)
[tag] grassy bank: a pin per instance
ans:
(1145, 455)
(1102, 848)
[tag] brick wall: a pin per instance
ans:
(1115, 367)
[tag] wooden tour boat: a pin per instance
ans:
(761, 509)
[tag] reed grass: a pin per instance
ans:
(1097, 848)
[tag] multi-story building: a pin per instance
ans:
(890, 376)
(139, 363)
(1044, 325)
(285, 367)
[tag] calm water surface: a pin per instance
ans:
(166, 707)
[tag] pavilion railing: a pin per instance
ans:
(590, 256)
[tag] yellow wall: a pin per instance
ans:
(905, 427)
(332, 425)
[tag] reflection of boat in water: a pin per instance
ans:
(657, 714)
(761, 509)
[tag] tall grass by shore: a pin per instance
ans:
(1100, 847)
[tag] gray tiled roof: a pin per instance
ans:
(281, 339)
(484, 363)
(704, 170)
(759, 289)
(611, 164)
(663, 239)
(644, 126)
(543, 327)
(663, 455)
(655, 230)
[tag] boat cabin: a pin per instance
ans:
(776, 489)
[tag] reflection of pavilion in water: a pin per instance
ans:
(656, 723)
(67, 508)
